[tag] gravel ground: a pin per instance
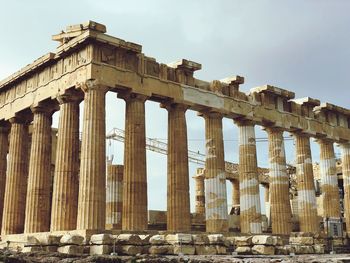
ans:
(15, 257)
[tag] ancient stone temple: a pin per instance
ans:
(72, 208)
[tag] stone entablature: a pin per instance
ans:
(86, 53)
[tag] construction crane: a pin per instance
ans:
(158, 146)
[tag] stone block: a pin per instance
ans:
(281, 250)
(281, 241)
(185, 250)
(299, 249)
(263, 250)
(100, 249)
(243, 250)
(32, 240)
(51, 249)
(216, 239)
(69, 239)
(159, 250)
(48, 239)
(338, 242)
(205, 250)
(231, 240)
(102, 239)
(319, 241)
(157, 240)
(145, 249)
(200, 239)
(179, 239)
(301, 240)
(129, 239)
(71, 249)
(221, 250)
(243, 241)
(131, 250)
(145, 239)
(264, 240)
(319, 249)
(32, 249)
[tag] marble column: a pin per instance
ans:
(37, 217)
(235, 193)
(281, 211)
(16, 179)
(250, 208)
(307, 206)
(329, 180)
(92, 178)
(4, 143)
(178, 190)
(134, 216)
(199, 192)
(114, 196)
(66, 177)
(345, 147)
(215, 179)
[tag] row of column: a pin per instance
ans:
(79, 201)
(278, 191)
(27, 209)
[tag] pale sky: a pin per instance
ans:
(302, 46)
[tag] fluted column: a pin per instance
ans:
(329, 180)
(250, 208)
(4, 143)
(281, 212)
(66, 177)
(346, 178)
(92, 178)
(215, 179)
(16, 179)
(37, 217)
(235, 193)
(199, 192)
(307, 206)
(114, 196)
(134, 216)
(178, 190)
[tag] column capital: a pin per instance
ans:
(270, 129)
(299, 133)
(71, 95)
(132, 96)
(91, 84)
(24, 117)
(344, 144)
(170, 105)
(244, 122)
(46, 107)
(210, 114)
(4, 126)
(321, 140)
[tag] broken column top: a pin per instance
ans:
(307, 101)
(327, 107)
(76, 30)
(185, 64)
(235, 80)
(274, 90)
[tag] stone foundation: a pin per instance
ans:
(82, 242)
